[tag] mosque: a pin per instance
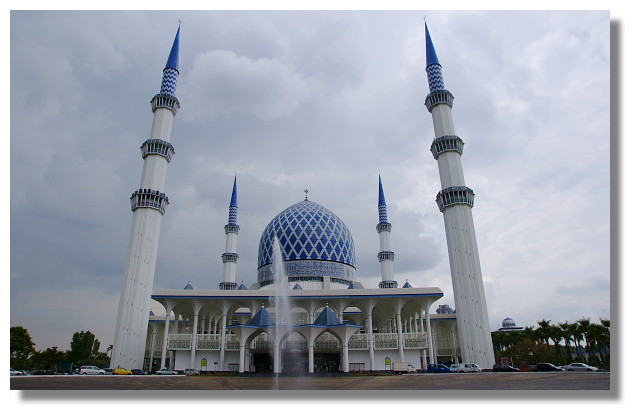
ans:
(305, 312)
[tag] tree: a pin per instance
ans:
(83, 346)
(22, 347)
(542, 332)
(567, 336)
(48, 359)
(582, 333)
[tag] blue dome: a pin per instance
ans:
(313, 240)
(508, 322)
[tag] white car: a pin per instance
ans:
(16, 372)
(165, 371)
(579, 367)
(465, 367)
(91, 370)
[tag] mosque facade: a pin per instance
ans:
(305, 312)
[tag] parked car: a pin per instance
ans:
(165, 371)
(438, 368)
(467, 367)
(505, 368)
(190, 372)
(547, 367)
(15, 372)
(139, 372)
(91, 370)
(109, 371)
(122, 371)
(41, 372)
(579, 367)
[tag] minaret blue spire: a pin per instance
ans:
(171, 71)
(433, 67)
(233, 206)
(431, 54)
(173, 59)
(381, 204)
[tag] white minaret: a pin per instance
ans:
(230, 257)
(385, 256)
(148, 207)
(455, 200)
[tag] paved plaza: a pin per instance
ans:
(468, 381)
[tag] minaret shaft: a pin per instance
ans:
(230, 257)
(148, 206)
(385, 256)
(455, 201)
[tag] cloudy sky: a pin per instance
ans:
(322, 101)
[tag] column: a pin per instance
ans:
(166, 328)
(223, 340)
(241, 361)
(429, 337)
(311, 359)
(371, 338)
(194, 340)
(400, 337)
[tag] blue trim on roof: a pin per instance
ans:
(303, 297)
(173, 59)
(431, 54)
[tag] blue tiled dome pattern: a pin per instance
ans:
(435, 77)
(307, 231)
(168, 84)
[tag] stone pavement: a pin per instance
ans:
(552, 381)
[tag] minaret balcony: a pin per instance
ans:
(383, 227)
(388, 284)
(446, 143)
(231, 229)
(165, 101)
(229, 257)
(386, 256)
(148, 198)
(441, 96)
(155, 146)
(228, 285)
(455, 195)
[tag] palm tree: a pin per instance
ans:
(109, 349)
(555, 334)
(585, 324)
(542, 332)
(567, 336)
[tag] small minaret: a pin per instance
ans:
(230, 257)
(148, 206)
(385, 256)
(455, 201)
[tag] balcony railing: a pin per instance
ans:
(325, 342)
(180, 342)
(208, 342)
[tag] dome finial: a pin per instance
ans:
(306, 194)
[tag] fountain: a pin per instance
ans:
(281, 303)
